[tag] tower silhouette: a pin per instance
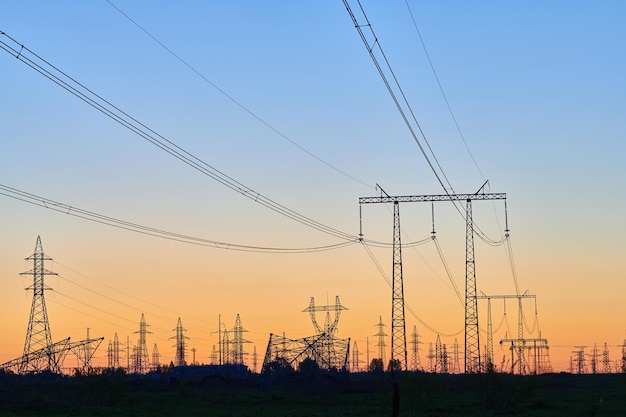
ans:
(181, 348)
(141, 359)
(38, 334)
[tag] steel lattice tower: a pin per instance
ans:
(238, 341)
(38, 334)
(213, 356)
(381, 340)
(456, 368)
(415, 350)
(472, 345)
(356, 360)
(116, 352)
(472, 340)
(606, 361)
(113, 353)
(156, 357)
(398, 326)
(181, 348)
(141, 359)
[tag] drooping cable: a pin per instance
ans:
(150, 231)
(408, 307)
(235, 101)
(77, 89)
(125, 294)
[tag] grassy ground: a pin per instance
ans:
(316, 395)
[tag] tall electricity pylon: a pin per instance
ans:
(38, 334)
(141, 359)
(180, 345)
(238, 341)
(398, 338)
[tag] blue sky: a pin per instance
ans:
(537, 88)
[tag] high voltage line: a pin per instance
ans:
(46, 69)
(235, 101)
(372, 44)
(137, 228)
(445, 97)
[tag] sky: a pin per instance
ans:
(283, 98)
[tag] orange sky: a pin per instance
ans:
(285, 100)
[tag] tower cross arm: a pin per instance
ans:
(428, 198)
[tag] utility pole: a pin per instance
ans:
(398, 332)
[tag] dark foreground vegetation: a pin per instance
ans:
(315, 393)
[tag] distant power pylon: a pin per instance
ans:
(456, 367)
(156, 357)
(180, 345)
(398, 334)
(606, 361)
(356, 360)
(415, 351)
(141, 360)
(213, 356)
(113, 353)
(381, 340)
(238, 341)
(38, 334)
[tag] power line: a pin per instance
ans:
(407, 306)
(445, 97)
(375, 44)
(235, 101)
(83, 93)
(370, 46)
(150, 231)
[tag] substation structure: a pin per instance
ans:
(398, 327)
(528, 355)
(40, 353)
(327, 350)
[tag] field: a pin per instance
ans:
(314, 394)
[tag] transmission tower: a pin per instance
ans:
(116, 353)
(226, 348)
(141, 360)
(238, 342)
(415, 351)
(181, 348)
(110, 355)
(255, 358)
(356, 360)
(606, 361)
(456, 367)
(156, 357)
(398, 340)
(579, 360)
(432, 367)
(381, 340)
(113, 353)
(38, 334)
(214, 356)
(594, 359)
